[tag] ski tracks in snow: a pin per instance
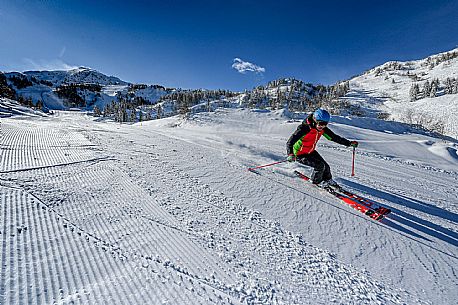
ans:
(423, 202)
(416, 244)
(267, 261)
(83, 232)
(105, 214)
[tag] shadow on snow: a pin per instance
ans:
(409, 220)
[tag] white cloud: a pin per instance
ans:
(42, 64)
(62, 51)
(244, 67)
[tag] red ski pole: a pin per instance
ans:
(270, 164)
(353, 162)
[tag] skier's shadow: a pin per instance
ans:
(409, 220)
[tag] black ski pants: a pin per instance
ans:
(321, 169)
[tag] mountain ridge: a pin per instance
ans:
(405, 91)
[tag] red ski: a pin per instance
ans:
(367, 202)
(364, 205)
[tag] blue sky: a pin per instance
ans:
(222, 44)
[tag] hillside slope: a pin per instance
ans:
(387, 88)
(166, 212)
(82, 88)
(422, 92)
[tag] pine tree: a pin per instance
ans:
(414, 91)
(449, 85)
(426, 89)
(434, 87)
(97, 111)
(106, 110)
(159, 112)
(183, 106)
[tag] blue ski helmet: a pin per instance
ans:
(321, 115)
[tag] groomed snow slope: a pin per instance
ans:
(165, 212)
(387, 88)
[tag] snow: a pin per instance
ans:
(386, 88)
(165, 212)
(10, 107)
(112, 90)
(42, 92)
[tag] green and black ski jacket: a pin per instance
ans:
(303, 141)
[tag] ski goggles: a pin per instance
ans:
(321, 123)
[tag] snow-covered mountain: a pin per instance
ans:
(389, 91)
(80, 75)
(81, 88)
(423, 92)
(292, 94)
(166, 212)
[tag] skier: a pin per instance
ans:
(302, 143)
